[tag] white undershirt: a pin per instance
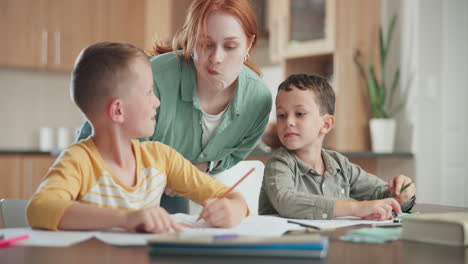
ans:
(209, 124)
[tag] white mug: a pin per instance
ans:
(63, 137)
(46, 139)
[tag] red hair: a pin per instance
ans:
(188, 36)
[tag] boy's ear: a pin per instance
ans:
(115, 110)
(328, 123)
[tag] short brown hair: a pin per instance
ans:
(325, 96)
(99, 71)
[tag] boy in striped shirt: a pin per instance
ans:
(111, 180)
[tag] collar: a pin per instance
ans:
(331, 166)
(189, 88)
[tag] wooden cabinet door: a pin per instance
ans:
(25, 39)
(11, 179)
(73, 25)
(125, 21)
(34, 170)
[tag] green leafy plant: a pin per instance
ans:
(381, 98)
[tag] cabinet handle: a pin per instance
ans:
(57, 48)
(282, 38)
(44, 36)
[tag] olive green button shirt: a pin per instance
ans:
(292, 189)
(179, 119)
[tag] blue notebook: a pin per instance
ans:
(303, 246)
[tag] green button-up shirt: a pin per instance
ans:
(292, 189)
(179, 119)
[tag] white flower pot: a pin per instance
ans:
(382, 134)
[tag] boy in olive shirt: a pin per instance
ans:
(303, 180)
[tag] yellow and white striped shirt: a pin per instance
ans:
(81, 175)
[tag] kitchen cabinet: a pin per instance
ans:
(20, 175)
(321, 37)
(11, 179)
(25, 36)
(301, 28)
(48, 35)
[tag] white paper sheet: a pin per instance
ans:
(124, 238)
(44, 238)
(339, 222)
(264, 226)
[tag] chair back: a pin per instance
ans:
(249, 187)
(13, 213)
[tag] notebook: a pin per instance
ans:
(306, 246)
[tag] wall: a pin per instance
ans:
(432, 50)
(29, 100)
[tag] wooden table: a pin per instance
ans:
(94, 251)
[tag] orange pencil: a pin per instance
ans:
(237, 183)
(234, 186)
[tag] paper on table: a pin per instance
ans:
(190, 220)
(340, 222)
(44, 238)
(47, 238)
(124, 238)
(265, 226)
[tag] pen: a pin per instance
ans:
(303, 225)
(8, 242)
(404, 188)
(234, 186)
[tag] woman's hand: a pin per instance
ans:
(202, 166)
(396, 184)
(169, 192)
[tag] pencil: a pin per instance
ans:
(303, 225)
(404, 188)
(234, 186)
(237, 183)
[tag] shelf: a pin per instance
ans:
(303, 49)
(29, 152)
(400, 155)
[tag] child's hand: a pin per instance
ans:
(151, 220)
(223, 212)
(397, 183)
(377, 209)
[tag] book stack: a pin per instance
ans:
(299, 246)
(442, 228)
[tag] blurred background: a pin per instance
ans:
(40, 40)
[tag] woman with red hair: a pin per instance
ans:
(214, 104)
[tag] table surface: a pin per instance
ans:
(94, 251)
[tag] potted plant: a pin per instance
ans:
(381, 97)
